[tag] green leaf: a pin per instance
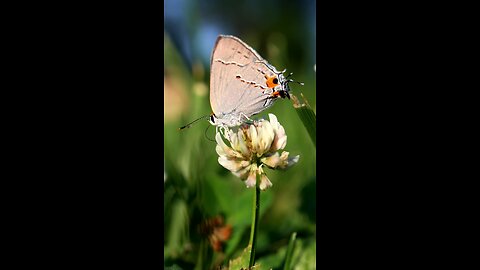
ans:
(273, 260)
(305, 255)
(308, 117)
(173, 267)
(242, 261)
(178, 228)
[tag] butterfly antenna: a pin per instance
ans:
(206, 134)
(188, 125)
(290, 80)
(301, 83)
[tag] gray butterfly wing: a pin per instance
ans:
(238, 78)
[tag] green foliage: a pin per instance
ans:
(241, 262)
(197, 187)
(308, 117)
(290, 248)
(173, 267)
(304, 254)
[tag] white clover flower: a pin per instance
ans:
(251, 148)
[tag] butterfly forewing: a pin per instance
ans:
(238, 78)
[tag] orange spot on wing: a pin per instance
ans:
(271, 81)
(276, 94)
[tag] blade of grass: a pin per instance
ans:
(308, 117)
(289, 255)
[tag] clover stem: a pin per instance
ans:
(255, 218)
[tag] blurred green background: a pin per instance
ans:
(196, 186)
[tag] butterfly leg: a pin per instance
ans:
(224, 131)
(247, 119)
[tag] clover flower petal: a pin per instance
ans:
(271, 161)
(253, 146)
(280, 140)
(223, 150)
(265, 137)
(286, 162)
(252, 177)
(239, 144)
(233, 165)
(264, 182)
(243, 173)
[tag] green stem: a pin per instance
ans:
(255, 218)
